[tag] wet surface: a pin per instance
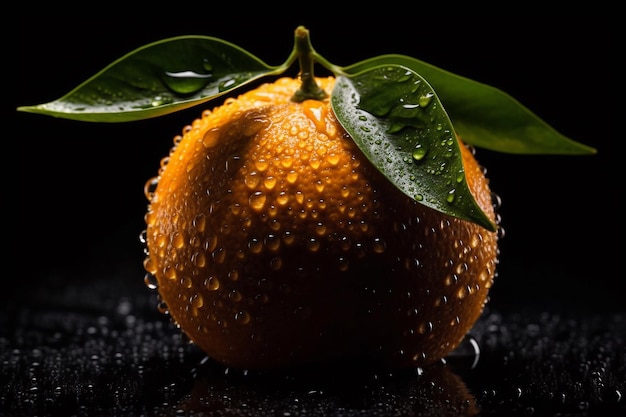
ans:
(97, 346)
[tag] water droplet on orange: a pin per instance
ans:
(242, 317)
(212, 283)
(257, 200)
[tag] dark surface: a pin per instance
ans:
(99, 348)
(80, 333)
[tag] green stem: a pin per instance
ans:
(309, 89)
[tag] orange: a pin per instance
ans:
(273, 242)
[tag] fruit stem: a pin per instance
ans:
(309, 89)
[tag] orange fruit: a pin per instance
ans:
(273, 242)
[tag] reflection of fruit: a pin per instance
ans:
(355, 389)
(274, 242)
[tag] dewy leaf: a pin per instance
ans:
(397, 120)
(158, 79)
(482, 115)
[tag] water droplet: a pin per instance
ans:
(178, 240)
(233, 275)
(261, 164)
(303, 313)
(451, 280)
(186, 82)
(149, 265)
(150, 281)
(451, 195)
(143, 237)
(211, 243)
(269, 182)
(197, 301)
(198, 259)
(255, 245)
(314, 163)
(441, 301)
(257, 200)
(320, 229)
(272, 242)
(160, 101)
(211, 137)
(617, 396)
(292, 177)
(218, 255)
(235, 295)
(463, 292)
(425, 327)
(379, 245)
(288, 237)
(282, 198)
(206, 64)
(419, 153)
(276, 263)
(313, 244)
(461, 268)
(425, 99)
(212, 283)
(169, 272)
(199, 222)
(333, 158)
(467, 353)
(252, 180)
(150, 187)
(242, 317)
(343, 264)
(286, 161)
(227, 84)
(162, 307)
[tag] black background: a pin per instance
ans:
(78, 196)
(74, 204)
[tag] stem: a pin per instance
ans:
(308, 86)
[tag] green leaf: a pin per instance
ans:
(397, 120)
(482, 115)
(158, 79)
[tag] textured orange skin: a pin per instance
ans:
(275, 243)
